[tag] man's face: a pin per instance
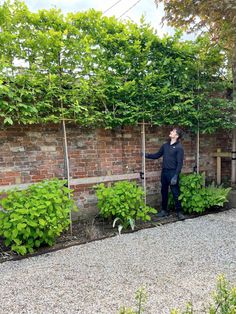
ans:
(173, 134)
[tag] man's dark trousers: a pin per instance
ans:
(166, 176)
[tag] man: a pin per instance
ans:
(173, 155)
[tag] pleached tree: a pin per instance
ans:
(94, 70)
(218, 17)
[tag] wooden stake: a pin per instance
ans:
(218, 167)
(198, 150)
(67, 165)
(233, 174)
(143, 161)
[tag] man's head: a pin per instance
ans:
(176, 134)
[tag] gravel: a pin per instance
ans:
(175, 263)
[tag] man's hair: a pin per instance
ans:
(179, 132)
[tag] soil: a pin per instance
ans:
(92, 230)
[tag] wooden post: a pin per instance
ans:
(66, 156)
(218, 167)
(219, 154)
(198, 150)
(143, 176)
(233, 171)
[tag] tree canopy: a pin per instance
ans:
(218, 17)
(95, 70)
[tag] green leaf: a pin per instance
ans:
(8, 120)
(37, 243)
(21, 226)
(42, 222)
(28, 223)
(14, 233)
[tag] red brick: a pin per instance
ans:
(98, 153)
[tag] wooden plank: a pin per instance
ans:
(221, 154)
(91, 180)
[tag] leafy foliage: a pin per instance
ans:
(123, 202)
(35, 216)
(91, 69)
(215, 16)
(193, 194)
(224, 301)
(224, 298)
(218, 15)
(141, 299)
(195, 197)
(217, 196)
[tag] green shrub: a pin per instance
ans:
(35, 216)
(141, 299)
(217, 196)
(195, 197)
(224, 298)
(224, 301)
(123, 202)
(189, 310)
(193, 194)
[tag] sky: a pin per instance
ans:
(153, 15)
(148, 8)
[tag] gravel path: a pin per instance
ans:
(176, 263)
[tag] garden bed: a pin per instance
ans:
(93, 230)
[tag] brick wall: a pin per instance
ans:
(33, 153)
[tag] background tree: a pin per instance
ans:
(219, 18)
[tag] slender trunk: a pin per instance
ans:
(67, 164)
(143, 161)
(233, 176)
(198, 151)
(66, 154)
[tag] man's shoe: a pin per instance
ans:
(163, 213)
(180, 216)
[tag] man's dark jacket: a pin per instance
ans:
(173, 156)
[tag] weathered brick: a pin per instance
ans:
(33, 153)
(17, 149)
(48, 148)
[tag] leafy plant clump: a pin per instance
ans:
(217, 196)
(193, 194)
(97, 70)
(123, 202)
(35, 216)
(195, 197)
(224, 301)
(141, 299)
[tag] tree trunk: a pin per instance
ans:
(67, 165)
(233, 176)
(143, 176)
